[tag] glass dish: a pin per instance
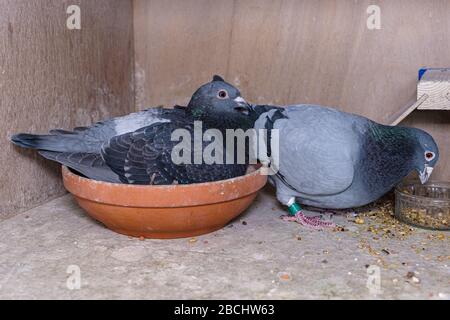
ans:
(424, 206)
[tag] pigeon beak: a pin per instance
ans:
(425, 174)
(242, 106)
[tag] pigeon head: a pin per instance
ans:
(426, 154)
(218, 102)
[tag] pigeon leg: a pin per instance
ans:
(296, 215)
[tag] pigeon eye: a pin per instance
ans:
(222, 94)
(429, 155)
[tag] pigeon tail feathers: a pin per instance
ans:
(60, 142)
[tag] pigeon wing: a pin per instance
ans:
(90, 139)
(90, 165)
(144, 156)
(316, 156)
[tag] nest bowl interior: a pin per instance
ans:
(165, 212)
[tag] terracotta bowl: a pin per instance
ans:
(164, 212)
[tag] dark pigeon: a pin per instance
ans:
(97, 152)
(335, 160)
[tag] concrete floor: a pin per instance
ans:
(258, 256)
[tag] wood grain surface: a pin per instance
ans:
(436, 85)
(52, 77)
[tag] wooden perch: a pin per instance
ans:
(436, 84)
(433, 93)
(405, 111)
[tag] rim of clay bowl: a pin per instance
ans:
(400, 190)
(160, 196)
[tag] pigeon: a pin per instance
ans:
(136, 148)
(336, 160)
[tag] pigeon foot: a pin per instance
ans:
(296, 215)
(315, 223)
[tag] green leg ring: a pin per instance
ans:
(294, 208)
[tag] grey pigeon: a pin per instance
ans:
(107, 151)
(335, 160)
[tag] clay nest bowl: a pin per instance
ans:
(165, 212)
